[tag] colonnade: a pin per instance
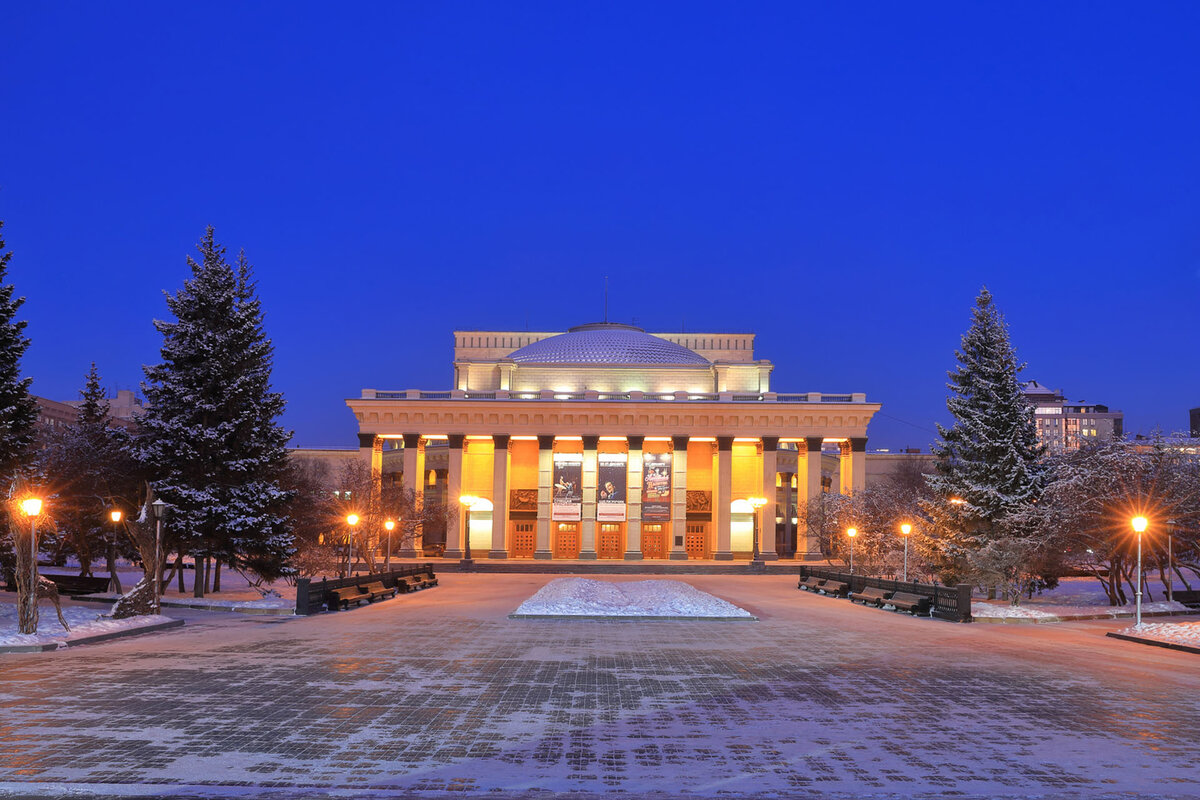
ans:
(720, 511)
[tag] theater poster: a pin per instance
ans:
(656, 487)
(567, 493)
(610, 487)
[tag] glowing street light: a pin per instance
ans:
(1139, 524)
(852, 532)
(958, 501)
(114, 579)
(159, 509)
(757, 503)
(351, 521)
(469, 502)
(905, 530)
(389, 526)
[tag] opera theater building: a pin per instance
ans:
(608, 442)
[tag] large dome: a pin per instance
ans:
(607, 343)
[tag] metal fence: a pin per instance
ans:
(949, 602)
(310, 594)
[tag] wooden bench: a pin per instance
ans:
(835, 588)
(428, 578)
(810, 584)
(1189, 598)
(342, 598)
(412, 582)
(871, 596)
(913, 603)
(77, 584)
(378, 591)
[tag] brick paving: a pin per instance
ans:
(440, 694)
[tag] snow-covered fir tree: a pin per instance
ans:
(210, 432)
(989, 462)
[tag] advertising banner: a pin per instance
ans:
(567, 490)
(656, 487)
(610, 487)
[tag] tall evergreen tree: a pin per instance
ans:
(989, 462)
(210, 433)
(18, 413)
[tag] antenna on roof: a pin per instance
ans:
(606, 298)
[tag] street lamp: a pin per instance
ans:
(469, 502)
(351, 521)
(852, 532)
(159, 508)
(1170, 561)
(905, 530)
(1139, 526)
(114, 580)
(32, 507)
(958, 501)
(757, 502)
(389, 526)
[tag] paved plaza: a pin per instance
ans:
(441, 694)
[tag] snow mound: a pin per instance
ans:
(1185, 633)
(584, 597)
(84, 622)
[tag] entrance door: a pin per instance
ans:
(696, 540)
(654, 544)
(610, 540)
(566, 540)
(524, 539)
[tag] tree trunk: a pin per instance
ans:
(114, 580)
(198, 581)
(216, 575)
(207, 574)
(27, 610)
(179, 570)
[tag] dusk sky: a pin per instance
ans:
(840, 179)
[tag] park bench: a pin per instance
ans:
(378, 591)
(871, 596)
(913, 603)
(428, 578)
(835, 588)
(77, 584)
(412, 582)
(342, 598)
(1191, 598)
(811, 584)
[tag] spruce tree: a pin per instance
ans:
(210, 433)
(989, 462)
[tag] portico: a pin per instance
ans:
(629, 470)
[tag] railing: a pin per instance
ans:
(949, 602)
(310, 595)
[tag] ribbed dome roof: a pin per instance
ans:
(607, 343)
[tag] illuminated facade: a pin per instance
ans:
(1063, 425)
(607, 442)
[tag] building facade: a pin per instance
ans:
(610, 442)
(1064, 426)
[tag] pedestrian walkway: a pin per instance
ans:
(440, 693)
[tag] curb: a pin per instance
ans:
(46, 647)
(1077, 618)
(279, 612)
(1154, 642)
(613, 618)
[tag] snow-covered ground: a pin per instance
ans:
(1185, 633)
(584, 597)
(1075, 597)
(84, 622)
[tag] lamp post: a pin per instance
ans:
(1139, 526)
(852, 532)
(159, 509)
(468, 502)
(32, 507)
(351, 521)
(758, 503)
(905, 530)
(1170, 561)
(114, 580)
(389, 526)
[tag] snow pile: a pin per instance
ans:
(219, 602)
(1185, 633)
(1035, 610)
(997, 611)
(84, 622)
(584, 597)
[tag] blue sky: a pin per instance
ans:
(840, 179)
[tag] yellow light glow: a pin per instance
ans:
(429, 436)
(958, 501)
(31, 506)
(390, 525)
(906, 529)
(468, 500)
(1140, 524)
(852, 532)
(352, 519)
(758, 502)
(703, 439)
(115, 515)
(568, 438)
(658, 438)
(524, 438)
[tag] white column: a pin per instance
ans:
(457, 514)
(858, 464)
(545, 496)
(587, 527)
(633, 507)
(679, 461)
(724, 497)
(499, 497)
(768, 513)
(414, 481)
(808, 481)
